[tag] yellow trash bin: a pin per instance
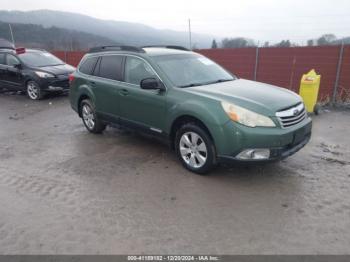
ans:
(309, 87)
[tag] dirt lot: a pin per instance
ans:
(63, 190)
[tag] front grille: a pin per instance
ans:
(292, 116)
(60, 83)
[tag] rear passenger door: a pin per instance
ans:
(105, 82)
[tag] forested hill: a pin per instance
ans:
(51, 38)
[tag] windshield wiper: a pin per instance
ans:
(50, 65)
(207, 83)
(191, 85)
(221, 80)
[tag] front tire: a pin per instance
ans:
(195, 148)
(90, 119)
(34, 91)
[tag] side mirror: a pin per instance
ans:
(18, 66)
(152, 84)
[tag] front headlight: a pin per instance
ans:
(44, 75)
(245, 116)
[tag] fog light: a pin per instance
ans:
(254, 154)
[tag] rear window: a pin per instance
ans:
(88, 65)
(111, 67)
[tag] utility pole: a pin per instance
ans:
(13, 39)
(256, 61)
(336, 84)
(189, 33)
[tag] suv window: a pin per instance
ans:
(2, 59)
(88, 65)
(11, 60)
(111, 67)
(136, 70)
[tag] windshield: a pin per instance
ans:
(188, 70)
(40, 59)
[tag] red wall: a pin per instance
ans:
(344, 81)
(285, 66)
(240, 61)
(279, 66)
(70, 57)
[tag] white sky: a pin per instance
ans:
(264, 20)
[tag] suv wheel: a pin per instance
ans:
(90, 120)
(33, 90)
(195, 148)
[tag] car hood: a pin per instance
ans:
(256, 96)
(58, 69)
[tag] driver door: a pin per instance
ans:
(141, 108)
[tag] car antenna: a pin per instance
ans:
(13, 39)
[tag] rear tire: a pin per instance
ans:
(195, 149)
(317, 109)
(90, 119)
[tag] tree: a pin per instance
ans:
(310, 42)
(284, 43)
(237, 42)
(326, 39)
(266, 44)
(214, 45)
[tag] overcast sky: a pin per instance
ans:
(264, 20)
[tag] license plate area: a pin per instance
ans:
(298, 136)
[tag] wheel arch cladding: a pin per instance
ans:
(182, 120)
(81, 98)
(207, 116)
(84, 92)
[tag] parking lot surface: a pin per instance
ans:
(65, 191)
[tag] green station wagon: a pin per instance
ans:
(205, 113)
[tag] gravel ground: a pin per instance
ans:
(65, 191)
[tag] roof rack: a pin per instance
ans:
(116, 48)
(7, 48)
(168, 46)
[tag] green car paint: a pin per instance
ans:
(157, 111)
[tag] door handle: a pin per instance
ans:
(124, 92)
(93, 83)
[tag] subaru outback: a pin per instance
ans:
(207, 114)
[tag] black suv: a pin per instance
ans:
(36, 72)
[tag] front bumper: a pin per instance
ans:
(55, 84)
(282, 143)
(275, 153)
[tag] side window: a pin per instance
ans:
(2, 59)
(97, 67)
(111, 67)
(137, 70)
(12, 60)
(88, 65)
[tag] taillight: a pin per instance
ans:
(71, 78)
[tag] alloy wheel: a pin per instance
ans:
(193, 149)
(33, 90)
(88, 116)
